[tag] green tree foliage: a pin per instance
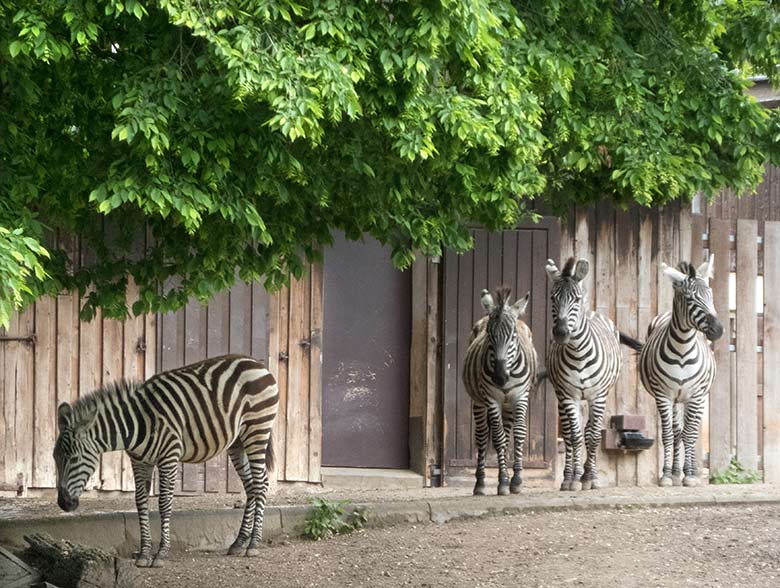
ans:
(240, 133)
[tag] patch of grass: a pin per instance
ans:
(328, 518)
(736, 474)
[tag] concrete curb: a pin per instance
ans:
(215, 529)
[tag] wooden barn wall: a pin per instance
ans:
(625, 249)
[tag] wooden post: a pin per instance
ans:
(720, 394)
(747, 338)
(771, 352)
(45, 419)
(315, 374)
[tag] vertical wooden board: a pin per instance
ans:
(260, 327)
(450, 366)
(605, 305)
(113, 353)
(568, 235)
(195, 335)
(240, 342)
(172, 356)
(626, 269)
(283, 371)
(747, 337)
(273, 366)
(585, 248)
(694, 251)
(494, 263)
(647, 461)
(90, 365)
(472, 279)
(5, 433)
(771, 353)
(509, 263)
(315, 372)
(45, 409)
(9, 396)
(133, 366)
(433, 383)
(297, 467)
(720, 394)
(537, 403)
(217, 319)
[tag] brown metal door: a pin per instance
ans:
(514, 258)
(365, 367)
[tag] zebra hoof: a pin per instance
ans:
(503, 489)
(691, 481)
(236, 549)
(665, 482)
(159, 562)
(253, 552)
(565, 485)
(143, 562)
(677, 480)
(515, 488)
(479, 490)
(587, 484)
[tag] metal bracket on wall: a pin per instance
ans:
(28, 339)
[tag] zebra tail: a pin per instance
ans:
(631, 342)
(270, 461)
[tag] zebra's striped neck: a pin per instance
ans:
(680, 327)
(110, 429)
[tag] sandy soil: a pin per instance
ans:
(669, 547)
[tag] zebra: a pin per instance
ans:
(583, 363)
(189, 414)
(498, 373)
(677, 366)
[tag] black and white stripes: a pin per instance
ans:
(185, 415)
(583, 363)
(677, 366)
(498, 373)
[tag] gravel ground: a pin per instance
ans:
(730, 546)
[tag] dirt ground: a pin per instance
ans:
(668, 547)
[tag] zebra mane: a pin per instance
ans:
(567, 270)
(501, 296)
(87, 404)
(687, 269)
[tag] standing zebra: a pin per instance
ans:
(677, 366)
(188, 414)
(499, 371)
(583, 363)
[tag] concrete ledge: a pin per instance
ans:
(216, 528)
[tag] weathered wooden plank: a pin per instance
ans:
(296, 466)
(771, 355)
(260, 326)
(647, 461)
(45, 419)
(240, 341)
(132, 365)
(626, 270)
(111, 463)
(474, 275)
(694, 251)
(537, 403)
(449, 359)
(585, 248)
(195, 340)
(315, 375)
(604, 294)
(431, 447)
(280, 440)
(747, 337)
(217, 319)
(273, 365)
(720, 395)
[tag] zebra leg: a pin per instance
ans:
(693, 414)
(167, 471)
(241, 464)
(499, 442)
(665, 410)
(142, 474)
(569, 411)
(518, 433)
(481, 432)
(256, 447)
(677, 429)
(592, 439)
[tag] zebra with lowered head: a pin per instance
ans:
(189, 414)
(677, 366)
(498, 373)
(583, 363)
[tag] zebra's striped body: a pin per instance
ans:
(498, 373)
(188, 415)
(583, 363)
(677, 367)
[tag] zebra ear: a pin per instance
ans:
(86, 419)
(518, 308)
(581, 269)
(707, 270)
(487, 301)
(552, 270)
(64, 412)
(675, 275)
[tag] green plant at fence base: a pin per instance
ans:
(735, 474)
(327, 518)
